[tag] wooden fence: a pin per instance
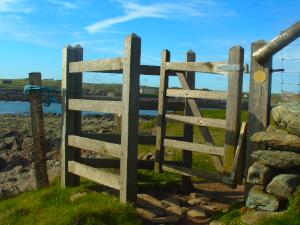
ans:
(123, 148)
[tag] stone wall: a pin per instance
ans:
(275, 173)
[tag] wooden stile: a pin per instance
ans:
(96, 146)
(233, 107)
(114, 107)
(102, 177)
(130, 114)
(71, 120)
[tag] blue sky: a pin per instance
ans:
(33, 34)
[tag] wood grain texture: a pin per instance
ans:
(40, 175)
(181, 93)
(130, 116)
(96, 146)
(233, 107)
(200, 121)
(102, 177)
(194, 147)
(114, 107)
(71, 87)
(188, 129)
(102, 65)
(265, 52)
(203, 67)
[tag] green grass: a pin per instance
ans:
(52, 206)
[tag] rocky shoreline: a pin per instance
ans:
(16, 144)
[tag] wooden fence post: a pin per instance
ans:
(71, 120)
(186, 183)
(130, 115)
(259, 101)
(39, 170)
(233, 107)
(161, 120)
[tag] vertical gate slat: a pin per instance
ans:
(71, 120)
(130, 115)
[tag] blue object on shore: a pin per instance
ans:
(48, 99)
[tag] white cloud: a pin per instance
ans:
(174, 10)
(65, 4)
(15, 6)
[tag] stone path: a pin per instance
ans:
(196, 208)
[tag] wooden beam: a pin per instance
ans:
(152, 70)
(181, 93)
(103, 65)
(194, 147)
(130, 117)
(204, 130)
(101, 147)
(102, 177)
(265, 52)
(116, 138)
(161, 122)
(202, 67)
(114, 107)
(233, 107)
(200, 121)
(39, 171)
(259, 102)
(188, 129)
(192, 172)
(71, 87)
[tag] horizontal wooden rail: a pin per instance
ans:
(95, 145)
(181, 93)
(203, 67)
(114, 107)
(194, 147)
(116, 138)
(102, 177)
(196, 120)
(190, 172)
(114, 65)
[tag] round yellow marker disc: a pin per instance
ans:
(260, 76)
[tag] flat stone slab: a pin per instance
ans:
(284, 185)
(277, 139)
(277, 159)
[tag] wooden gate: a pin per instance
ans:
(73, 166)
(223, 157)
